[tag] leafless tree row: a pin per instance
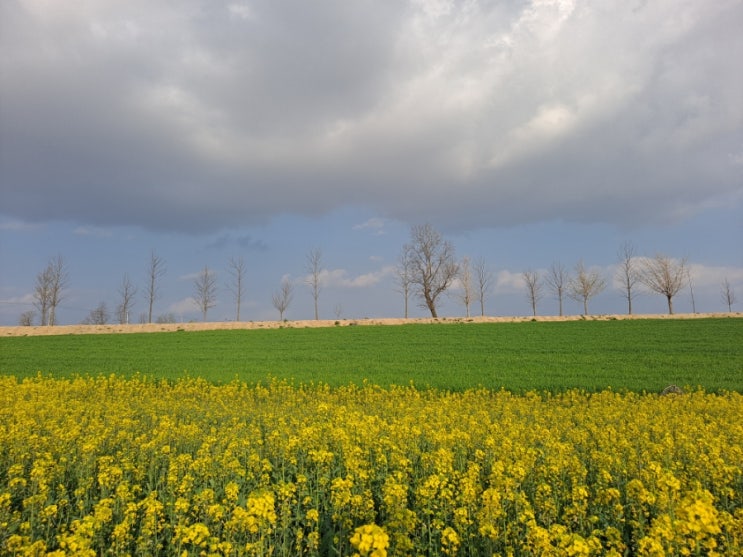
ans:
(426, 269)
(660, 274)
(51, 283)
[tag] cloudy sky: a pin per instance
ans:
(526, 132)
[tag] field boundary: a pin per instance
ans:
(288, 324)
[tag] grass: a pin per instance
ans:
(636, 355)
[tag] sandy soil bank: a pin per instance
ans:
(199, 326)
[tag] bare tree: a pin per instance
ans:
(665, 276)
(483, 279)
(432, 264)
(60, 278)
(728, 294)
(166, 318)
(585, 285)
(42, 294)
(691, 290)
(127, 291)
(404, 277)
(205, 290)
(155, 271)
(97, 316)
(465, 279)
(628, 273)
(49, 289)
(533, 283)
(557, 279)
(283, 297)
(26, 319)
(237, 269)
(314, 267)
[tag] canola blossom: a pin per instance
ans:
(112, 466)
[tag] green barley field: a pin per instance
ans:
(634, 355)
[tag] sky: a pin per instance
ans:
(525, 132)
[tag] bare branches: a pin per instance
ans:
(585, 285)
(533, 284)
(727, 294)
(42, 294)
(26, 319)
(127, 291)
(665, 276)
(60, 277)
(628, 273)
(483, 278)
(465, 279)
(97, 316)
(557, 280)
(432, 264)
(155, 271)
(237, 268)
(314, 266)
(404, 276)
(283, 297)
(205, 289)
(49, 289)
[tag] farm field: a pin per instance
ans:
(113, 466)
(518, 439)
(638, 355)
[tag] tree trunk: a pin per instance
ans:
(431, 307)
(670, 304)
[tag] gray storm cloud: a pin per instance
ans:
(197, 115)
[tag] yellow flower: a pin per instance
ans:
(450, 541)
(370, 540)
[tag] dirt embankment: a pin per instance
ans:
(210, 326)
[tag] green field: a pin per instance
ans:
(637, 355)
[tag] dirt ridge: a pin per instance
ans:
(247, 325)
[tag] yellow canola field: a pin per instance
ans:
(112, 466)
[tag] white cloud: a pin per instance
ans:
(18, 226)
(241, 10)
(340, 278)
(375, 224)
(186, 306)
(189, 276)
(197, 275)
(704, 276)
(508, 282)
(26, 299)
